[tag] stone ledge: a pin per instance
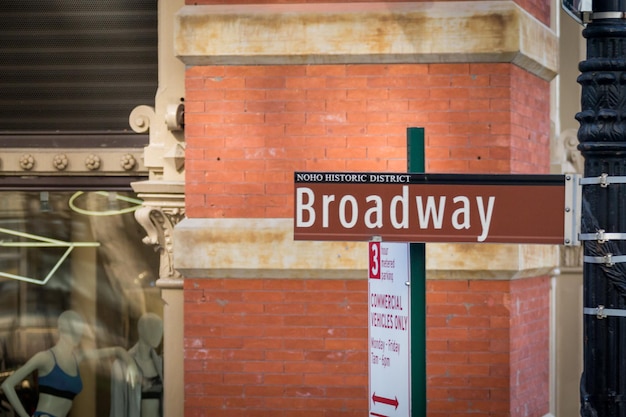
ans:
(366, 33)
(264, 248)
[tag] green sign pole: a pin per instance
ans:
(417, 253)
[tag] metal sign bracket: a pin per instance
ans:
(603, 180)
(607, 260)
(573, 199)
(601, 236)
(601, 313)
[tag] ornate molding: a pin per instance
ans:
(603, 96)
(162, 209)
(72, 161)
(128, 162)
(27, 162)
(93, 162)
(573, 157)
(140, 118)
(159, 222)
(162, 152)
(175, 117)
(60, 161)
(565, 156)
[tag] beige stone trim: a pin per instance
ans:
(264, 248)
(373, 33)
(489, 261)
(255, 248)
(174, 351)
(85, 161)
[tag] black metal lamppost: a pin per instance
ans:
(602, 142)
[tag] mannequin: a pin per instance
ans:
(58, 370)
(144, 399)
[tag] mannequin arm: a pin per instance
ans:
(8, 386)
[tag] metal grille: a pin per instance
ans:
(69, 66)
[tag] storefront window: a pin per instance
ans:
(72, 250)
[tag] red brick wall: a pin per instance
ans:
(276, 347)
(530, 126)
(468, 348)
(487, 348)
(298, 348)
(249, 127)
(530, 336)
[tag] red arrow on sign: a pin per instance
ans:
(385, 400)
(377, 415)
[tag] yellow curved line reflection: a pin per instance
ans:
(106, 212)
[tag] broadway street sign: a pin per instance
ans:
(361, 206)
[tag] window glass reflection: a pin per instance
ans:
(73, 250)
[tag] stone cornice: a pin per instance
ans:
(373, 33)
(264, 248)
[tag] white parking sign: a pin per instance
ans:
(389, 332)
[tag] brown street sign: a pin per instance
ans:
(396, 207)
